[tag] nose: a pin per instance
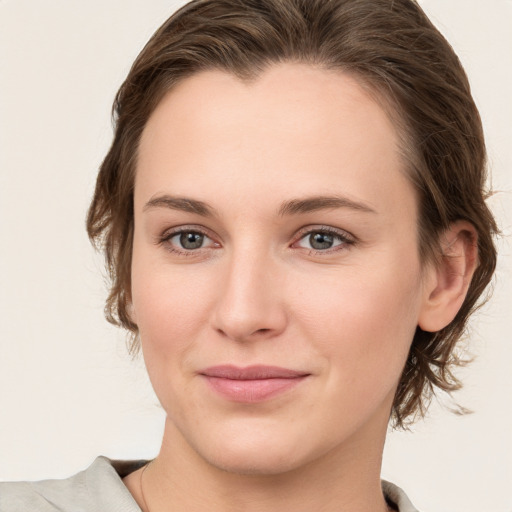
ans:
(250, 302)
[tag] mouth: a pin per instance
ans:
(251, 384)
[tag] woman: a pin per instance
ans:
(293, 216)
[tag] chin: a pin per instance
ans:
(261, 455)
(257, 463)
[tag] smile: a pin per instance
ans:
(252, 384)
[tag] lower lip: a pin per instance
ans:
(252, 391)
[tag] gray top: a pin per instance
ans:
(100, 489)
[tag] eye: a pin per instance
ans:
(324, 239)
(186, 241)
(189, 240)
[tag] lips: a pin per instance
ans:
(251, 384)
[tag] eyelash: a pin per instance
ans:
(166, 238)
(345, 239)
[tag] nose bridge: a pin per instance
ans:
(249, 302)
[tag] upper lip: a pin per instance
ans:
(255, 372)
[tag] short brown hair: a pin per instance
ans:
(394, 50)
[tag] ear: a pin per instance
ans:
(448, 280)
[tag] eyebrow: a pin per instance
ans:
(292, 207)
(311, 204)
(183, 204)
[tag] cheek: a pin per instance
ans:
(364, 321)
(170, 317)
(170, 307)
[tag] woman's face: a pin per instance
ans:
(276, 281)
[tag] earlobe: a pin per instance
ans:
(447, 282)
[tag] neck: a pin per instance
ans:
(346, 478)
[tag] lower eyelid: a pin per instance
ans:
(343, 241)
(166, 238)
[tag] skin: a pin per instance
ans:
(256, 292)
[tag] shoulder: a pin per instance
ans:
(397, 497)
(46, 495)
(96, 489)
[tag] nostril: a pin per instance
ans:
(244, 334)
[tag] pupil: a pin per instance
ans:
(321, 241)
(191, 240)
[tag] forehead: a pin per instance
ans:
(307, 99)
(313, 128)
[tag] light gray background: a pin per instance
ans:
(68, 391)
